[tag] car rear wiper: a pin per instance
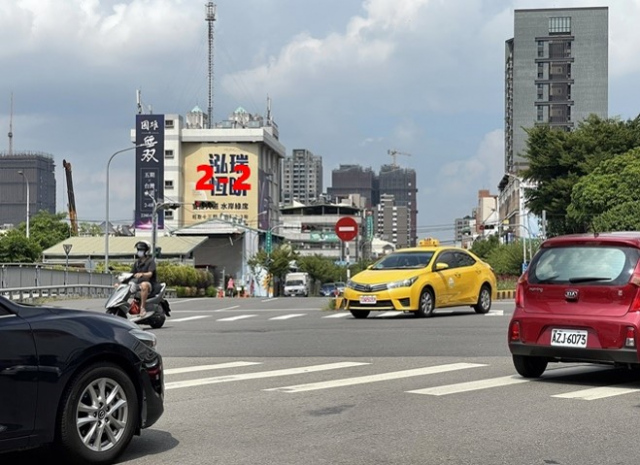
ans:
(587, 279)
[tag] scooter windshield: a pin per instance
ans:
(120, 295)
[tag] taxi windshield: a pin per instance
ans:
(404, 260)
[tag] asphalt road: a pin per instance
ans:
(282, 381)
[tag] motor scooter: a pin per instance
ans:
(118, 303)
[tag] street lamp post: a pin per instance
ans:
(106, 221)
(157, 206)
(21, 173)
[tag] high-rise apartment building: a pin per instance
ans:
(401, 184)
(556, 74)
(354, 179)
(38, 178)
(301, 177)
(394, 182)
(393, 222)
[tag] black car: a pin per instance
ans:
(84, 382)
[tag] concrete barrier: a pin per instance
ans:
(506, 295)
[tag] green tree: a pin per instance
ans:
(47, 229)
(90, 229)
(613, 184)
(558, 160)
(16, 248)
(277, 263)
(482, 247)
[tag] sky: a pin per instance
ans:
(349, 80)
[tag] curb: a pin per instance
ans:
(505, 295)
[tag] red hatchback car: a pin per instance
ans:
(578, 301)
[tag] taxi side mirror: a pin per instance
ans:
(441, 266)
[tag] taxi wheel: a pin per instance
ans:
(427, 304)
(484, 300)
(360, 313)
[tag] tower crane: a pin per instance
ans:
(394, 153)
(73, 216)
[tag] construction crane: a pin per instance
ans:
(394, 153)
(73, 216)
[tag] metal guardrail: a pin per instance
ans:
(65, 291)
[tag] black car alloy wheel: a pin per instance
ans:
(99, 414)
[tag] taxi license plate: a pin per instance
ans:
(368, 299)
(569, 337)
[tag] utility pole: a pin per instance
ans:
(210, 18)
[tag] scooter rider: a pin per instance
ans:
(144, 270)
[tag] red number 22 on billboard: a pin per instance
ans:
(205, 183)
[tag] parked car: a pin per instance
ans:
(422, 279)
(578, 301)
(84, 382)
(340, 286)
(328, 289)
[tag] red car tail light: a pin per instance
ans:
(520, 290)
(630, 338)
(514, 334)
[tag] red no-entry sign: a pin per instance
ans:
(346, 229)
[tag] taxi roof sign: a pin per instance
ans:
(429, 242)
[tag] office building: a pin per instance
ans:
(38, 173)
(301, 177)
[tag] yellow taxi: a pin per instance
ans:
(422, 279)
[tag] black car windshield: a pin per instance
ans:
(294, 283)
(404, 260)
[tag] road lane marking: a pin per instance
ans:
(375, 378)
(226, 308)
(387, 314)
(338, 315)
(218, 366)
(286, 317)
(495, 313)
(234, 318)
(600, 392)
(269, 299)
(501, 381)
(189, 318)
(263, 374)
(471, 386)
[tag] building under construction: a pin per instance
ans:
(38, 176)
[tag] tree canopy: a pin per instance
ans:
(558, 160)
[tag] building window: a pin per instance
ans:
(540, 91)
(540, 71)
(560, 25)
(168, 184)
(168, 214)
(540, 49)
(540, 113)
(168, 124)
(168, 154)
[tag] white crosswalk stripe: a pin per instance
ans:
(190, 318)
(263, 374)
(471, 386)
(218, 366)
(388, 314)
(235, 318)
(376, 378)
(287, 317)
(600, 392)
(338, 315)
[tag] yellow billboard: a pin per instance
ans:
(220, 179)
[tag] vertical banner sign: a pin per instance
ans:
(149, 169)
